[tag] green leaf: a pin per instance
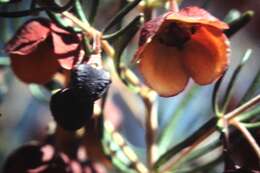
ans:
(253, 88)
(215, 104)
(124, 37)
(249, 114)
(120, 15)
(131, 26)
(232, 15)
(233, 79)
(208, 126)
(252, 125)
(93, 10)
(165, 137)
(237, 24)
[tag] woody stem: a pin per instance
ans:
(149, 98)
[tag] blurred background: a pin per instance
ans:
(25, 118)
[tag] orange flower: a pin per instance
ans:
(180, 45)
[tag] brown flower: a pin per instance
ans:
(40, 48)
(179, 45)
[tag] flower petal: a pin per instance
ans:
(205, 56)
(147, 32)
(197, 15)
(28, 37)
(162, 69)
(37, 67)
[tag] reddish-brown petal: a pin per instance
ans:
(28, 37)
(196, 15)
(205, 56)
(162, 69)
(37, 67)
(66, 49)
(148, 31)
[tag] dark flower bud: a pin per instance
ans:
(70, 110)
(90, 81)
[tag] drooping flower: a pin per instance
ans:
(180, 45)
(40, 48)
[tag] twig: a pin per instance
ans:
(243, 107)
(247, 135)
(149, 98)
(129, 153)
(229, 117)
(91, 32)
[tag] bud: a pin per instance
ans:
(71, 110)
(90, 81)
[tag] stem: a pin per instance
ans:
(243, 107)
(129, 153)
(91, 32)
(196, 138)
(247, 135)
(149, 99)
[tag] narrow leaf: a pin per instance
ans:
(239, 23)
(119, 16)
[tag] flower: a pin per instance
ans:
(40, 48)
(179, 45)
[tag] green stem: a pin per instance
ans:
(120, 15)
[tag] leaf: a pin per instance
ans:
(235, 75)
(207, 127)
(119, 16)
(237, 24)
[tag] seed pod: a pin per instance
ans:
(90, 81)
(70, 110)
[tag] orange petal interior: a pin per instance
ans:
(205, 56)
(162, 69)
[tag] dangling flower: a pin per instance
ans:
(40, 48)
(179, 45)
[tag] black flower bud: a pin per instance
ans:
(90, 81)
(70, 110)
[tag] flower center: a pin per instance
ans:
(176, 35)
